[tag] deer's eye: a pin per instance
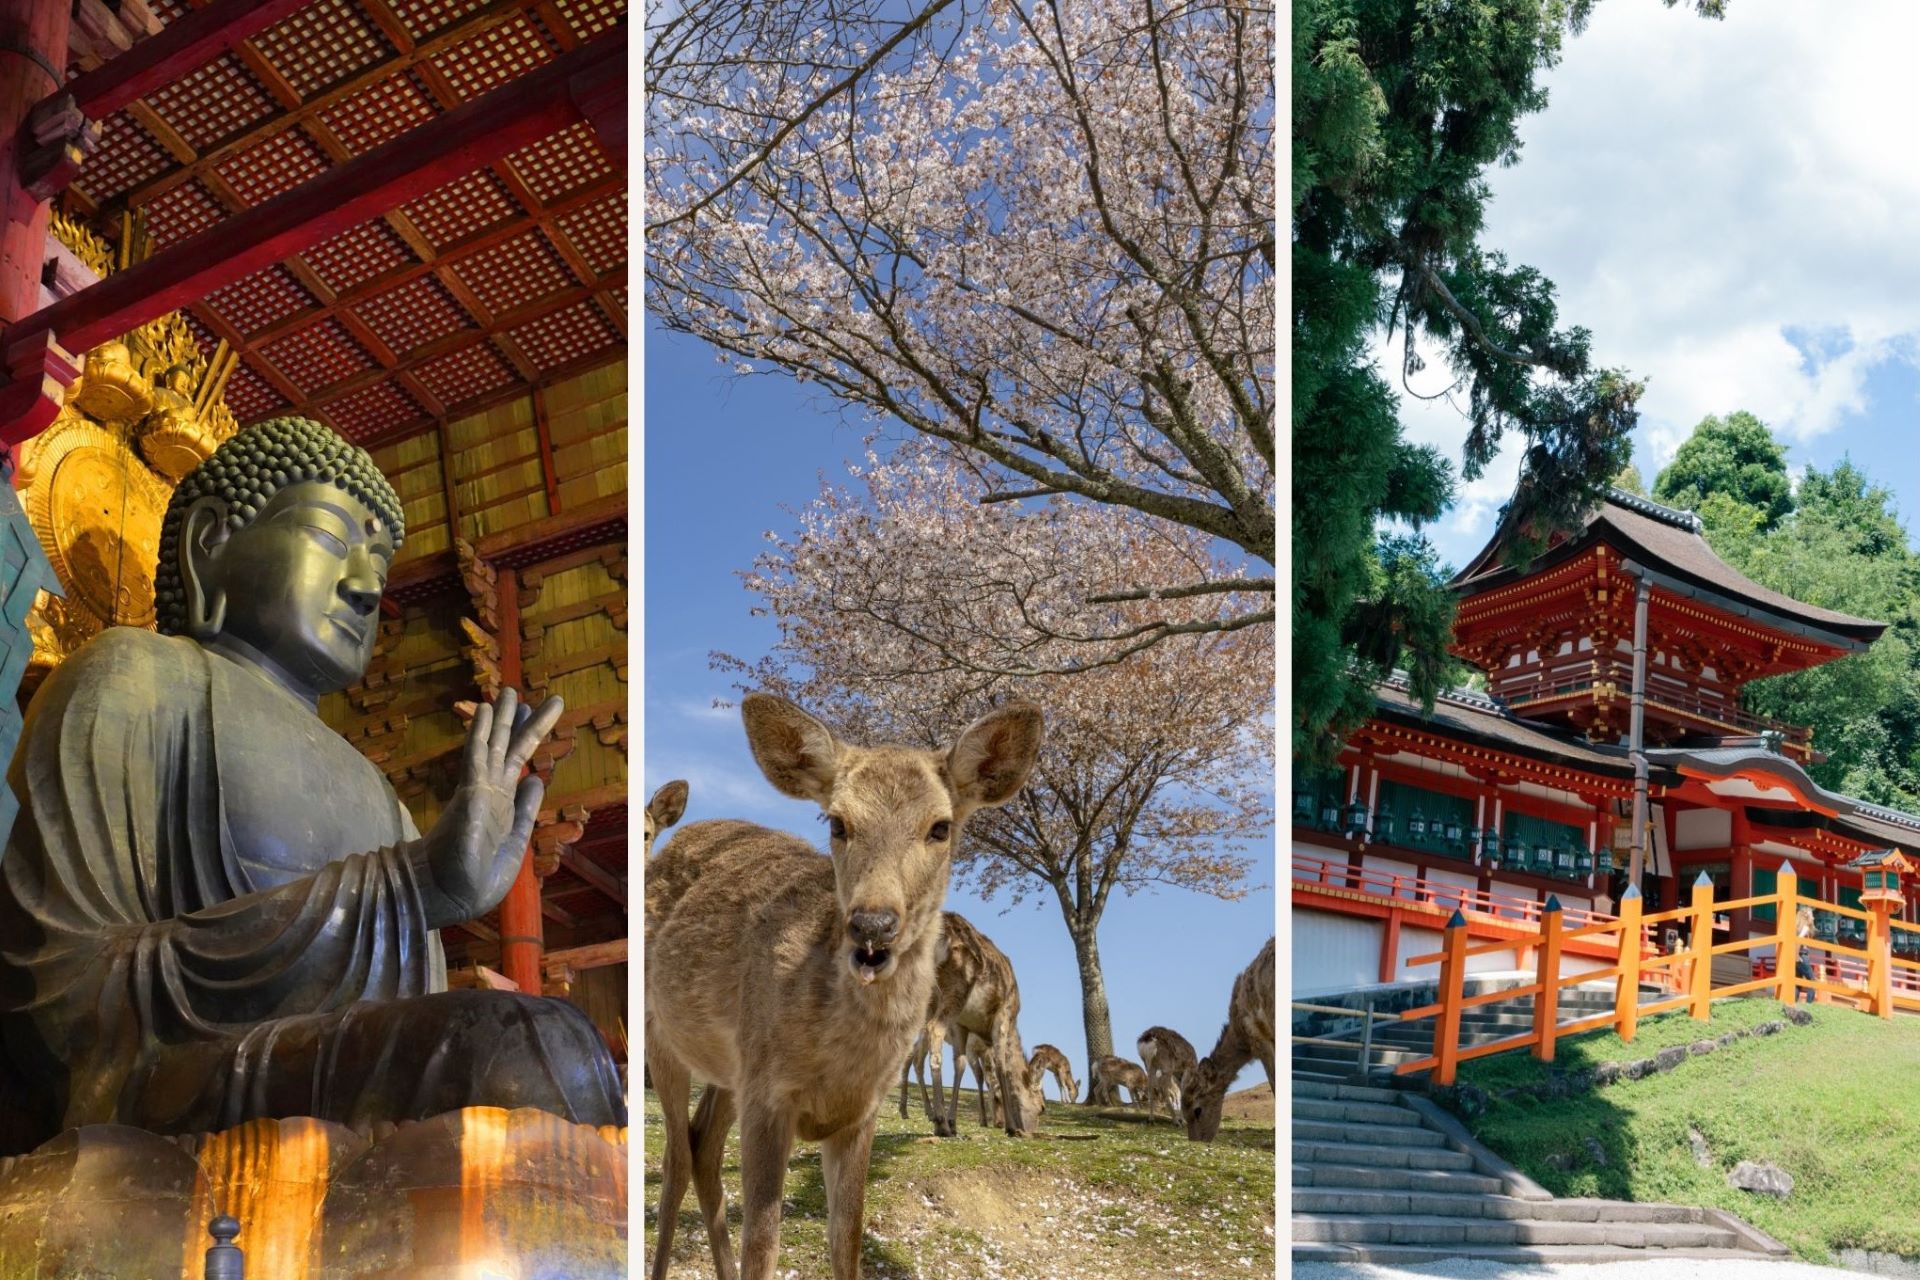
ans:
(939, 832)
(837, 827)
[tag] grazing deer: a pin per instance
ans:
(665, 809)
(793, 983)
(977, 1002)
(1248, 1034)
(1168, 1057)
(976, 1053)
(1047, 1058)
(1110, 1075)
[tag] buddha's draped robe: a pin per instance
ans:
(207, 915)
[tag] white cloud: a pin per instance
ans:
(1727, 206)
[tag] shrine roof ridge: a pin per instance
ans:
(1648, 507)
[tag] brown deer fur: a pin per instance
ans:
(1248, 1034)
(793, 983)
(976, 1002)
(1047, 1058)
(665, 809)
(1168, 1057)
(1110, 1075)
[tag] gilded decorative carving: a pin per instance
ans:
(145, 410)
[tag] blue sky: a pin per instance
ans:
(722, 455)
(1727, 206)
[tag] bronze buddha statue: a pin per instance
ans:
(212, 908)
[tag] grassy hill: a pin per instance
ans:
(1101, 1196)
(1836, 1104)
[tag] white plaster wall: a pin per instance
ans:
(1333, 952)
(1703, 828)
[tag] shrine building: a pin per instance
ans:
(1502, 799)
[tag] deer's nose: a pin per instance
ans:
(873, 928)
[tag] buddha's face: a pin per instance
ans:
(302, 584)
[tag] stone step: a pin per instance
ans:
(1424, 1203)
(1368, 1132)
(1307, 1088)
(1353, 1112)
(1371, 1155)
(1528, 1256)
(1335, 1177)
(1431, 1231)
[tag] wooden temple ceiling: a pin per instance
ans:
(472, 338)
(500, 280)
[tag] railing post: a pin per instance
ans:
(1366, 1037)
(224, 1261)
(1700, 975)
(1546, 1005)
(1453, 981)
(1786, 943)
(1879, 959)
(1626, 995)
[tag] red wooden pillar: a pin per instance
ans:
(1390, 947)
(521, 939)
(33, 48)
(1740, 878)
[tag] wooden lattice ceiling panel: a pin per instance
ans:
(504, 278)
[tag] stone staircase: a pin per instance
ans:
(1383, 1175)
(1395, 1043)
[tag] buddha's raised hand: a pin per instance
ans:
(474, 850)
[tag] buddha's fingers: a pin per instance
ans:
(528, 736)
(479, 734)
(505, 717)
(526, 811)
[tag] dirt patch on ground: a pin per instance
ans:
(1250, 1104)
(1012, 1225)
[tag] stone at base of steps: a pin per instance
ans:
(1523, 1255)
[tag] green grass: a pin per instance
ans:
(1836, 1104)
(1099, 1196)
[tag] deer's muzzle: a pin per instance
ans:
(873, 933)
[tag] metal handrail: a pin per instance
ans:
(1367, 1018)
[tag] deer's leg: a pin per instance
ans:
(936, 1046)
(709, 1138)
(906, 1067)
(980, 1084)
(766, 1141)
(1267, 1062)
(670, 1082)
(843, 1167)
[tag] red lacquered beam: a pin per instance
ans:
(188, 43)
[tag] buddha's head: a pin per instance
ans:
(278, 546)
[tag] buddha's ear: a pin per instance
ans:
(203, 531)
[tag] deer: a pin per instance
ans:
(976, 1002)
(1047, 1058)
(666, 807)
(1110, 1075)
(980, 1057)
(1248, 1034)
(792, 984)
(1168, 1057)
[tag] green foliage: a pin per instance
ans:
(1399, 108)
(1629, 479)
(1829, 1103)
(1736, 456)
(1840, 548)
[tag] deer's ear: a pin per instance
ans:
(668, 804)
(796, 752)
(991, 760)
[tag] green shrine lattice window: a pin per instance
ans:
(1444, 822)
(1542, 846)
(1765, 882)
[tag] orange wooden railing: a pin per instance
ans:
(1507, 907)
(1886, 983)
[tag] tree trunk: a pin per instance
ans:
(1093, 998)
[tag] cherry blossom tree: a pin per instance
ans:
(894, 605)
(1039, 235)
